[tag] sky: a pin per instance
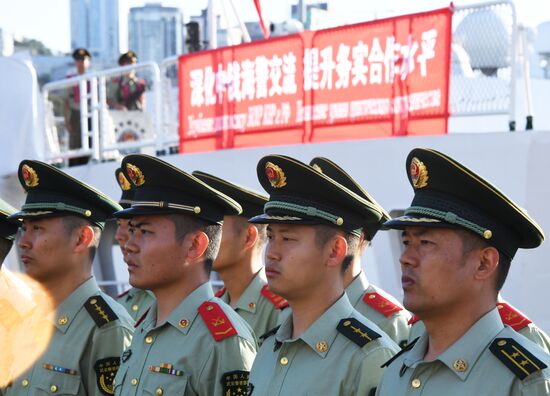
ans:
(48, 20)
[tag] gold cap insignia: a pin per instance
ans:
(275, 175)
(135, 174)
(29, 176)
(317, 168)
(81, 52)
(123, 182)
(419, 173)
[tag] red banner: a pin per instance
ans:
(382, 78)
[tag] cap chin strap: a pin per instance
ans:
(307, 210)
(448, 217)
(58, 206)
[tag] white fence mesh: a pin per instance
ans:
(483, 59)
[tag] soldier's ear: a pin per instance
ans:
(487, 262)
(251, 236)
(85, 238)
(338, 249)
(197, 243)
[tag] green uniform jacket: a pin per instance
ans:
(469, 367)
(258, 311)
(395, 325)
(91, 332)
(181, 356)
(322, 361)
(531, 332)
(136, 301)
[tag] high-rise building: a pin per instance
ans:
(155, 32)
(94, 25)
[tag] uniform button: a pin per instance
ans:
(159, 392)
(149, 340)
(25, 383)
(415, 383)
(284, 360)
(53, 388)
(135, 307)
(134, 381)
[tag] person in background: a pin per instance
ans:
(239, 261)
(371, 301)
(127, 91)
(71, 110)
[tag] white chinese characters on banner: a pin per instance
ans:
(377, 62)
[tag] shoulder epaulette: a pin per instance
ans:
(220, 292)
(123, 293)
(100, 311)
(142, 318)
(216, 320)
(269, 333)
(275, 299)
(413, 320)
(518, 359)
(512, 317)
(405, 349)
(381, 303)
(357, 331)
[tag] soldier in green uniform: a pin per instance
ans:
(459, 235)
(239, 261)
(62, 221)
(371, 301)
(189, 342)
(324, 347)
(136, 301)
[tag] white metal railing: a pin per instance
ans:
(170, 100)
(97, 139)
